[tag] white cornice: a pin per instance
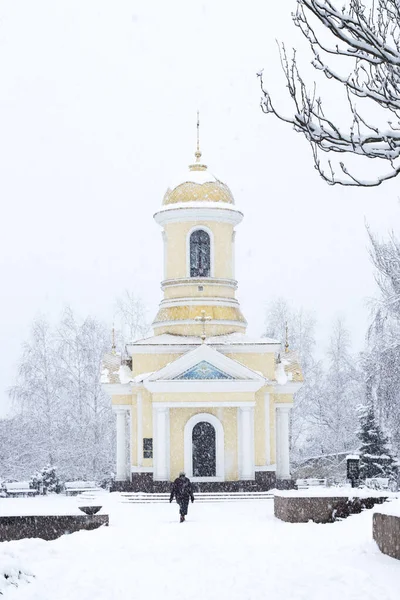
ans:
(199, 301)
(155, 324)
(291, 387)
(195, 281)
(206, 213)
(201, 385)
(214, 404)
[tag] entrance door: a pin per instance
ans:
(203, 449)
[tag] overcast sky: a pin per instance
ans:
(98, 108)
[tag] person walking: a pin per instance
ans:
(182, 490)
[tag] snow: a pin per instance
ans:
(237, 551)
(53, 504)
(125, 374)
(389, 508)
(198, 204)
(280, 374)
(189, 176)
(231, 338)
(353, 457)
(105, 376)
(335, 492)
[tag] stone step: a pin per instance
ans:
(143, 498)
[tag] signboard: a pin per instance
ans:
(353, 469)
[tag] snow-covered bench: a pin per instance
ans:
(381, 483)
(72, 488)
(304, 484)
(19, 488)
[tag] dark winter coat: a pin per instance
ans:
(182, 490)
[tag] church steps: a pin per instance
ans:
(143, 498)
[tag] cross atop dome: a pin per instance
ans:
(197, 166)
(198, 184)
(198, 153)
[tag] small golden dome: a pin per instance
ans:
(199, 185)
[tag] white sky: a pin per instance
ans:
(98, 107)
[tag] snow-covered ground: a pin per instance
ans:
(233, 551)
(337, 492)
(389, 508)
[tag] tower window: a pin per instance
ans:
(200, 248)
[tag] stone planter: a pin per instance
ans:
(47, 527)
(320, 509)
(386, 533)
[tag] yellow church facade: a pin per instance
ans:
(199, 395)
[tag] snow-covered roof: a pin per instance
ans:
(193, 176)
(110, 368)
(199, 204)
(237, 338)
(288, 369)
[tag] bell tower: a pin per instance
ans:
(198, 218)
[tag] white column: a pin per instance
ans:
(233, 254)
(267, 427)
(121, 444)
(161, 443)
(246, 442)
(139, 433)
(282, 441)
(165, 245)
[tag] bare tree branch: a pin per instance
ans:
(370, 37)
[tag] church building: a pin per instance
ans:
(200, 395)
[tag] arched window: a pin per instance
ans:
(200, 249)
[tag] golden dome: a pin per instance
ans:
(199, 185)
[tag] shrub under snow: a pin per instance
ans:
(12, 571)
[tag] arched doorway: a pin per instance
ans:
(204, 450)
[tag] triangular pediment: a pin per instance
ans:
(205, 364)
(203, 371)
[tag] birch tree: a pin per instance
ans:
(62, 417)
(299, 325)
(88, 416)
(132, 315)
(38, 392)
(336, 411)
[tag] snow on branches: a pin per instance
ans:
(368, 35)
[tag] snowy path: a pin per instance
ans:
(232, 551)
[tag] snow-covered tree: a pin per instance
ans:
(382, 355)
(335, 408)
(61, 414)
(355, 44)
(133, 318)
(46, 481)
(37, 393)
(300, 327)
(375, 456)
(88, 419)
